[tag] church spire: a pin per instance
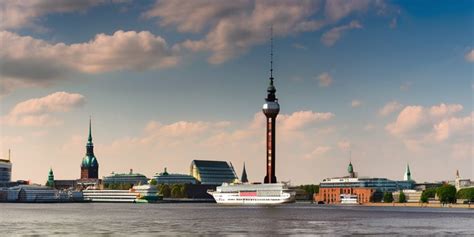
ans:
(243, 178)
(407, 176)
(90, 130)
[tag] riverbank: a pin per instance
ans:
(436, 205)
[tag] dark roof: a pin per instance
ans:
(211, 163)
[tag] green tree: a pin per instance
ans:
(176, 191)
(446, 194)
(310, 189)
(466, 193)
(165, 190)
(427, 194)
(153, 182)
(402, 198)
(388, 197)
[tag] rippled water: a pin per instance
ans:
(212, 219)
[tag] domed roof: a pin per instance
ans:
(89, 161)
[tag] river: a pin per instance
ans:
(82, 219)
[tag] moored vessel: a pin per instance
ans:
(257, 194)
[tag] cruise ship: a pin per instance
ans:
(137, 194)
(257, 194)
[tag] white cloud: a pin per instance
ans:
(301, 119)
(389, 108)
(318, 152)
(332, 36)
(232, 27)
(356, 103)
(338, 9)
(27, 61)
(469, 56)
(325, 80)
(344, 145)
(38, 111)
(25, 13)
(418, 125)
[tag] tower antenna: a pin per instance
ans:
(9, 155)
(271, 52)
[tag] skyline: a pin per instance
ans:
(167, 82)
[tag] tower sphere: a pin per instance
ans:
(271, 108)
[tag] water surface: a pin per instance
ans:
(212, 219)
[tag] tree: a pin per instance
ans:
(402, 198)
(153, 182)
(176, 191)
(466, 193)
(388, 197)
(165, 190)
(446, 194)
(427, 194)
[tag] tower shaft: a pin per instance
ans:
(270, 162)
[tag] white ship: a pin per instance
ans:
(263, 194)
(137, 194)
(349, 199)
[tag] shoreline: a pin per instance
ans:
(430, 205)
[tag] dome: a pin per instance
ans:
(89, 161)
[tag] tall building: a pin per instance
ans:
(6, 169)
(271, 108)
(350, 170)
(212, 172)
(89, 165)
(407, 176)
(243, 178)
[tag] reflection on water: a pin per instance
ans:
(212, 219)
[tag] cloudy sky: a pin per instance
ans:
(167, 82)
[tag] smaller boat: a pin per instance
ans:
(349, 199)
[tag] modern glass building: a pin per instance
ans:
(5, 171)
(167, 178)
(379, 184)
(130, 178)
(213, 172)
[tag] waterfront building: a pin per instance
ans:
(89, 165)
(411, 196)
(130, 178)
(243, 178)
(213, 172)
(333, 195)
(335, 186)
(167, 178)
(5, 170)
(461, 183)
(32, 193)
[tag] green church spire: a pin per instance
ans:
(50, 182)
(90, 131)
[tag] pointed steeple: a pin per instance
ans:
(90, 130)
(243, 178)
(457, 174)
(407, 176)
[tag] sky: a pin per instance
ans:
(379, 83)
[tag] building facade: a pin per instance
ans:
(213, 172)
(333, 195)
(6, 170)
(130, 178)
(89, 165)
(333, 187)
(411, 196)
(167, 178)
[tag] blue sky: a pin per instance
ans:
(169, 82)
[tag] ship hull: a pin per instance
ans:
(264, 194)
